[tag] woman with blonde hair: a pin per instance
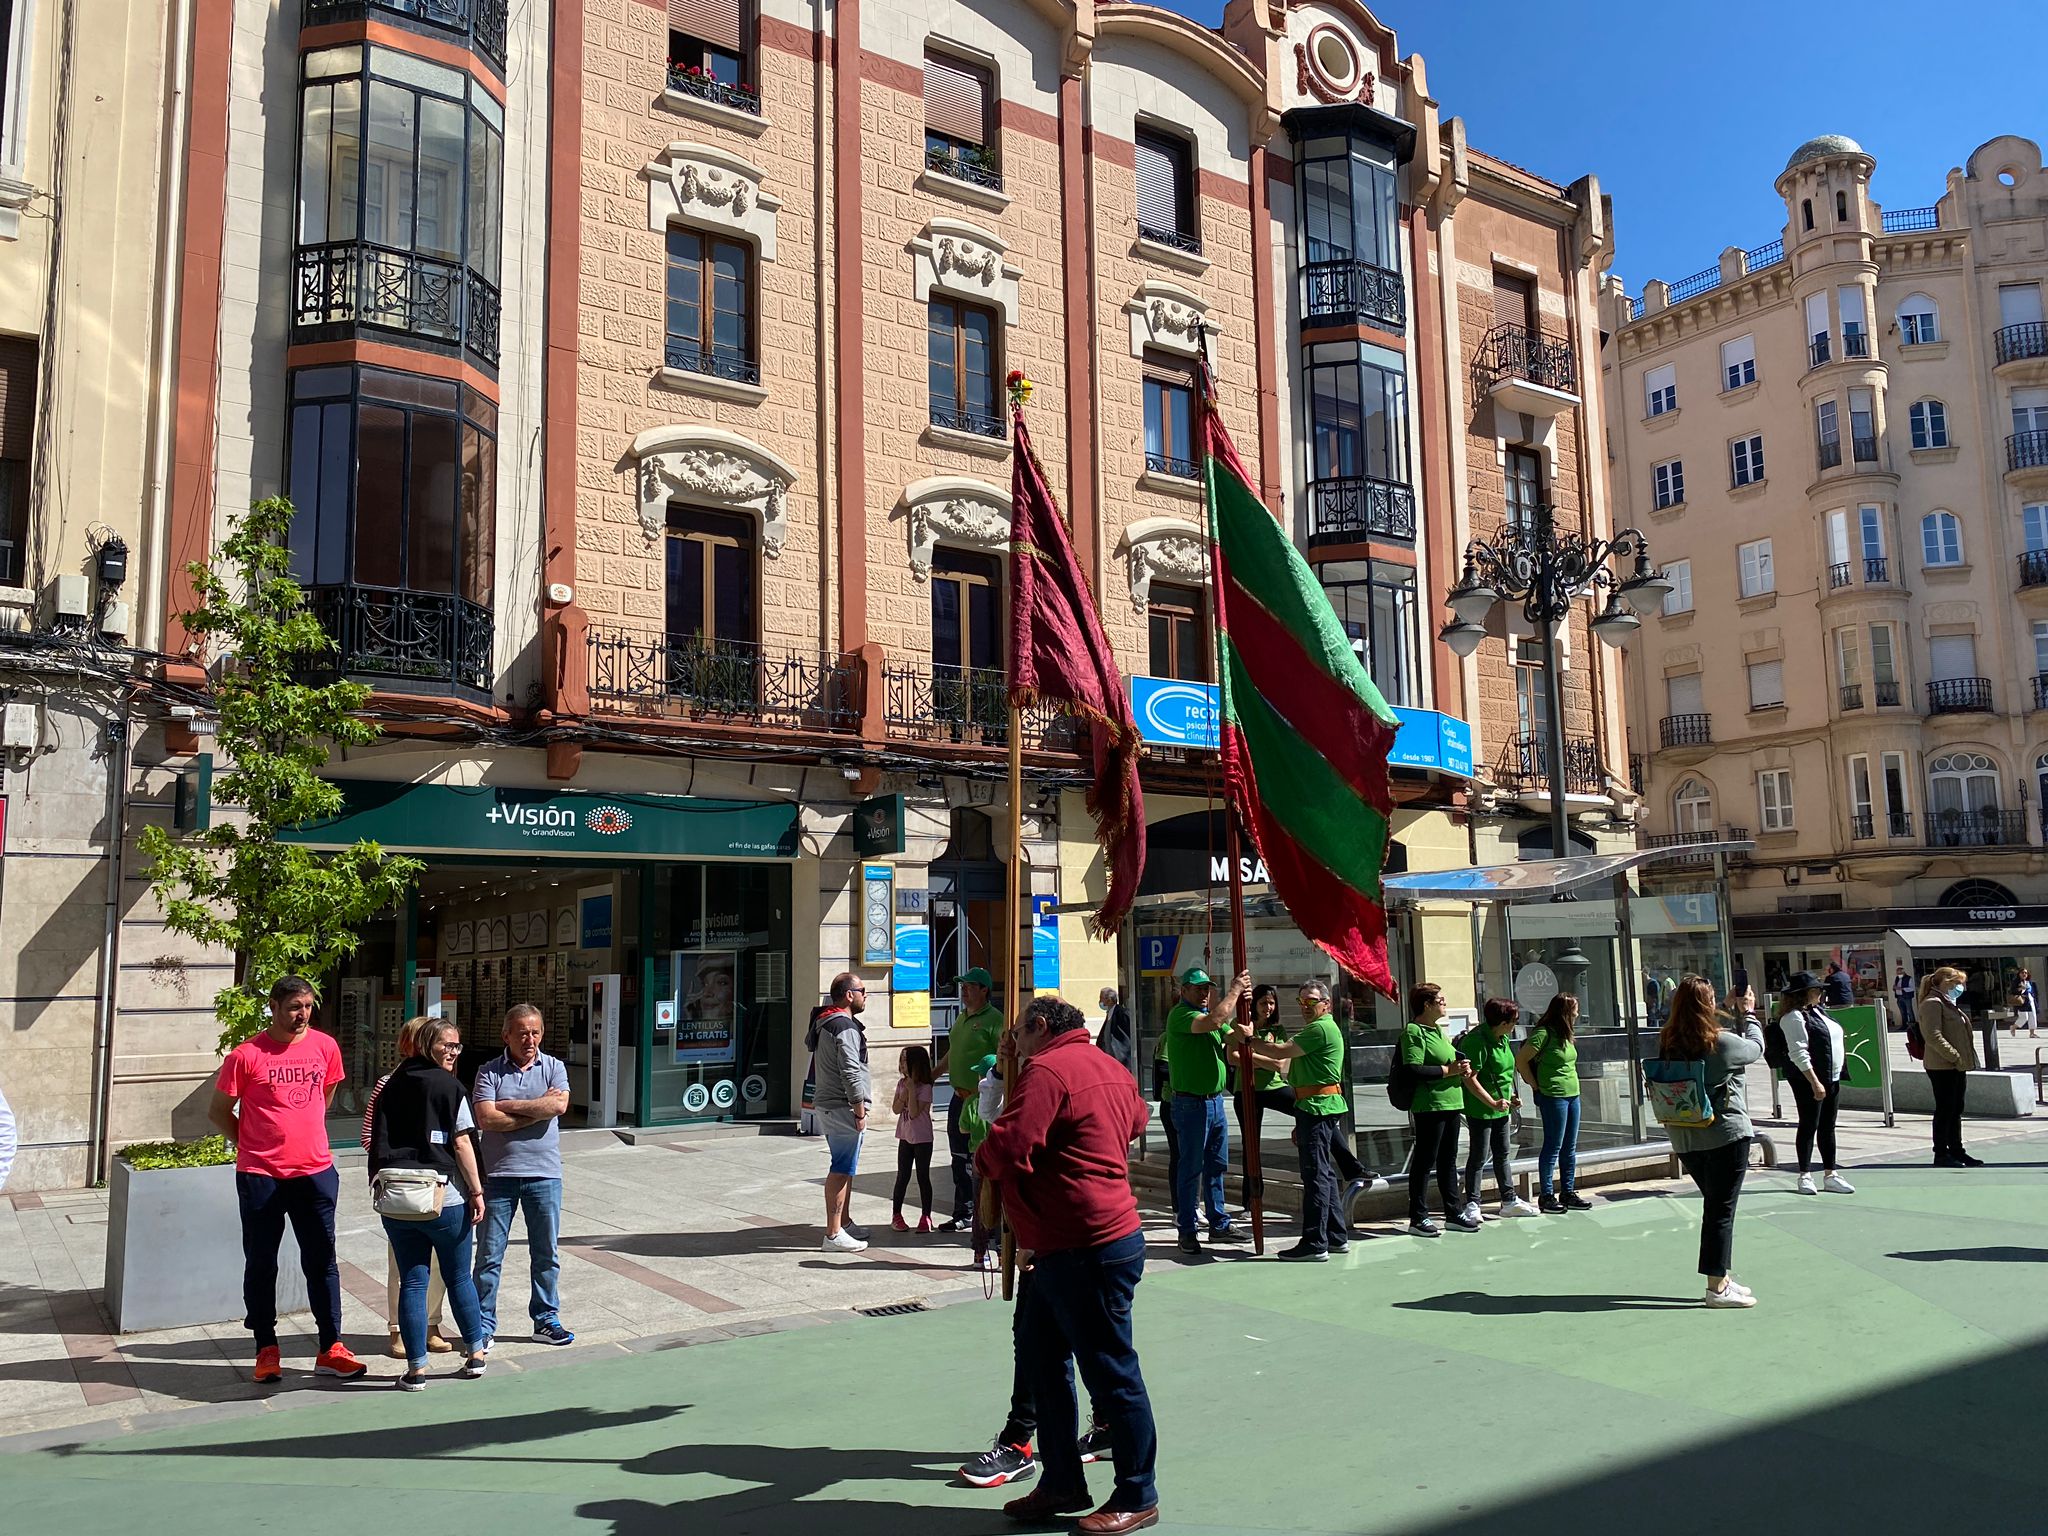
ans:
(1951, 1055)
(409, 1046)
(1715, 1156)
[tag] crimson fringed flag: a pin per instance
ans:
(1305, 735)
(1059, 653)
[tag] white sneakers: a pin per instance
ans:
(841, 1242)
(1472, 1213)
(1517, 1207)
(1806, 1184)
(1835, 1184)
(1730, 1295)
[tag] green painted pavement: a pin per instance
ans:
(1547, 1375)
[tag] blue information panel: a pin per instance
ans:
(1428, 739)
(1176, 714)
(1157, 953)
(1045, 945)
(913, 968)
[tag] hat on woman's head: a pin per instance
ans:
(1802, 981)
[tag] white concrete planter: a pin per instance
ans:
(174, 1250)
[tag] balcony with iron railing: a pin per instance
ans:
(1512, 356)
(408, 642)
(1851, 695)
(2041, 690)
(1524, 766)
(696, 81)
(649, 673)
(688, 355)
(974, 164)
(1840, 575)
(1173, 239)
(1818, 351)
(1876, 571)
(1855, 345)
(1898, 824)
(1906, 221)
(1828, 452)
(1864, 449)
(1686, 730)
(1347, 509)
(2034, 568)
(953, 418)
(1862, 826)
(1976, 829)
(969, 706)
(1959, 696)
(2026, 450)
(1353, 293)
(480, 21)
(1696, 836)
(1886, 694)
(2021, 343)
(1167, 464)
(348, 283)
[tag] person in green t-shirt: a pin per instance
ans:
(1549, 1060)
(1197, 1036)
(1489, 1095)
(1440, 1074)
(976, 1034)
(1314, 1060)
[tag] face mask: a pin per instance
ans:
(1955, 994)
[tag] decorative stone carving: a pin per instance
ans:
(953, 509)
(1680, 658)
(706, 465)
(954, 256)
(1950, 613)
(1168, 547)
(708, 187)
(1166, 317)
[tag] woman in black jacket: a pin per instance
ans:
(416, 1126)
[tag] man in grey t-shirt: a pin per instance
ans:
(519, 1098)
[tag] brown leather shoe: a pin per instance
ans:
(436, 1345)
(1042, 1506)
(1115, 1522)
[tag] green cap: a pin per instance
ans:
(983, 1067)
(1195, 976)
(977, 977)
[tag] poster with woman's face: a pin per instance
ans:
(707, 1016)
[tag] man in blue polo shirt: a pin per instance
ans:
(519, 1100)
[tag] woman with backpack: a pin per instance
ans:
(1436, 1075)
(1715, 1155)
(1550, 1062)
(1950, 1057)
(1807, 1046)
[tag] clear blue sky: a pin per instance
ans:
(1687, 114)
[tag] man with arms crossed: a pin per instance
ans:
(520, 1098)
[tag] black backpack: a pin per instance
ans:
(1400, 1082)
(1776, 1056)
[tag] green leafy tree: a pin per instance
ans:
(279, 906)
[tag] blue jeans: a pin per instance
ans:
(541, 1200)
(307, 1202)
(1560, 1139)
(1203, 1131)
(415, 1244)
(1079, 1302)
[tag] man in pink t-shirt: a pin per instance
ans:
(283, 1081)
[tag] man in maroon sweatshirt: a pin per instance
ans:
(1061, 1152)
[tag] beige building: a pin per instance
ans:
(1838, 444)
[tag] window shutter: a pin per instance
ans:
(17, 397)
(716, 22)
(1953, 656)
(1159, 177)
(955, 99)
(1684, 694)
(1514, 301)
(1167, 370)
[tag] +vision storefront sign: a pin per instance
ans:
(551, 823)
(1171, 713)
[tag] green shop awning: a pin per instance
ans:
(562, 823)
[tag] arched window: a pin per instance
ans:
(1977, 893)
(1806, 212)
(1929, 420)
(1919, 321)
(1962, 800)
(1693, 807)
(1941, 539)
(1841, 207)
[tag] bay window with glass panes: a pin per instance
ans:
(1346, 189)
(1358, 469)
(399, 216)
(1376, 603)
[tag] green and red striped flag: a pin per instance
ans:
(1304, 735)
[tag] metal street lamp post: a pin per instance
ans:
(1547, 572)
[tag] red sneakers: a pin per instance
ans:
(924, 1223)
(897, 1223)
(336, 1360)
(269, 1365)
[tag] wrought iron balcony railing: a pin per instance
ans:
(1903, 221)
(1852, 696)
(1959, 696)
(1687, 730)
(1638, 771)
(2034, 568)
(1898, 824)
(1818, 351)
(647, 672)
(431, 642)
(1876, 570)
(1855, 344)
(1838, 575)
(1887, 694)
(1356, 291)
(979, 423)
(1829, 453)
(1524, 766)
(1976, 829)
(2041, 690)
(1699, 835)
(481, 20)
(352, 282)
(1516, 352)
(1865, 449)
(689, 355)
(2016, 343)
(978, 166)
(1862, 825)
(968, 706)
(1347, 508)
(1179, 240)
(2027, 450)
(1167, 464)
(691, 80)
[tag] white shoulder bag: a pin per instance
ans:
(408, 1194)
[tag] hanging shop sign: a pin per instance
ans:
(878, 827)
(426, 818)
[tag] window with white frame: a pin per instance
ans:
(1941, 539)
(1684, 694)
(1919, 321)
(1774, 799)
(1929, 422)
(1849, 668)
(1692, 804)
(1862, 824)
(1766, 684)
(1884, 666)
(1738, 362)
(1667, 482)
(1746, 459)
(1898, 801)
(1754, 561)
(1855, 337)
(16, 18)
(2041, 647)
(1962, 798)
(1838, 539)
(1870, 522)
(2030, 410)
(2034, 526)
(1679, 598)
(1660, 389)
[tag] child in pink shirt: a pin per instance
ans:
(913, 1106)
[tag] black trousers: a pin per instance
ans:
(1948, 1089)
(963, 1165)
(1022, 1423)
(1322, 1209)
(1165, 1123)
(1436, 1147)
(307, 1202)
(1488, 1131)
(914, 1157)
(1816, 1120)
(1718, 1172)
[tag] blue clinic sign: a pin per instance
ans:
(1045, 945)
(1177, 714)
(913, 968)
